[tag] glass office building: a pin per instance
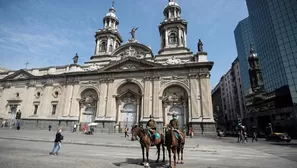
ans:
(274, 26)
(243, 38)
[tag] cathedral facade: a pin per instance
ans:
(121, 85)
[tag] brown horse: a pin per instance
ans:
(174, 146)
(145, 142)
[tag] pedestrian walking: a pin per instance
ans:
(74, 128)
(57, 144)
(254, 134)
(126, 131)
(18, 126)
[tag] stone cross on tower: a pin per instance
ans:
(26, 64)
(112, 4)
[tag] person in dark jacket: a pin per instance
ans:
(57, 144)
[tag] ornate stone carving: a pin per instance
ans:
(185, 81)
(93, 67)
(38, 92)
(89, 98)
(128, 79)
(72, 80)
(106, 80)
(173, 61)
(131, 52)
(88, 82)
(21, 76)
(7, 85)
(57, 90)
(147, 78)
(128, 100)
(172, 98)
(32, 83)
(129, 66)
(204, 75)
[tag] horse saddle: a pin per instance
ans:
(156, 134)
(177, 135)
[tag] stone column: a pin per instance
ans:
(102, 99)
(185, 111)
(74, 104)
(137, 112)
(114, 44)
(179, 37)
(109, 23)
(142, 107)
(195, 93)
(147, 97)
(166, 38)
(175, 11)
(156, 100)
(206, 97)
(108, 44)
(185, 38)
(110, 109)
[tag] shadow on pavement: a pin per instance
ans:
(130, 161)
(290, 144)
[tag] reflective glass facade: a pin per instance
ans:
(244, 37)
(274, 26)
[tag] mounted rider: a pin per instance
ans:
(174, 124)
(151, 126)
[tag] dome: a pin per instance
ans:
(111, 13)
(172, 4)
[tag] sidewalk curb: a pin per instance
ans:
(95, 144)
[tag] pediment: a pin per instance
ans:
(21, 74)
(130, 63)
(135, 50)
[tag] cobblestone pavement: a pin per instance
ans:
(223, 153)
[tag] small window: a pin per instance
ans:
(54, 109)
(110, 48)
(103, 47)
(56, 93)
(38, 94)
(35, 109)
(172, 38)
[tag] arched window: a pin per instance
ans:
(103, 46)
(110, 48)
(172, 38)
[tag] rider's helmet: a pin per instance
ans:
(174, 115)
(151, 116)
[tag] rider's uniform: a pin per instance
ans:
(151, 126)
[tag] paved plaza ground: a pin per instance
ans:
(30, 149)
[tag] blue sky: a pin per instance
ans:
(50, 32)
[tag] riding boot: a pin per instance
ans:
(153, 141)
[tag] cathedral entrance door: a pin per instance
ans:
(13, 111)
(129, 115)
(180, 116)
(88, 115)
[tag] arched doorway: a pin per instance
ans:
(175, 101)
(128, 104)
(88, 105)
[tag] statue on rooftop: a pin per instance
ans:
(133, 32)
(75, 59)
(200, 46)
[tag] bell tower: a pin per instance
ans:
(108, 38)
(173, 32)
